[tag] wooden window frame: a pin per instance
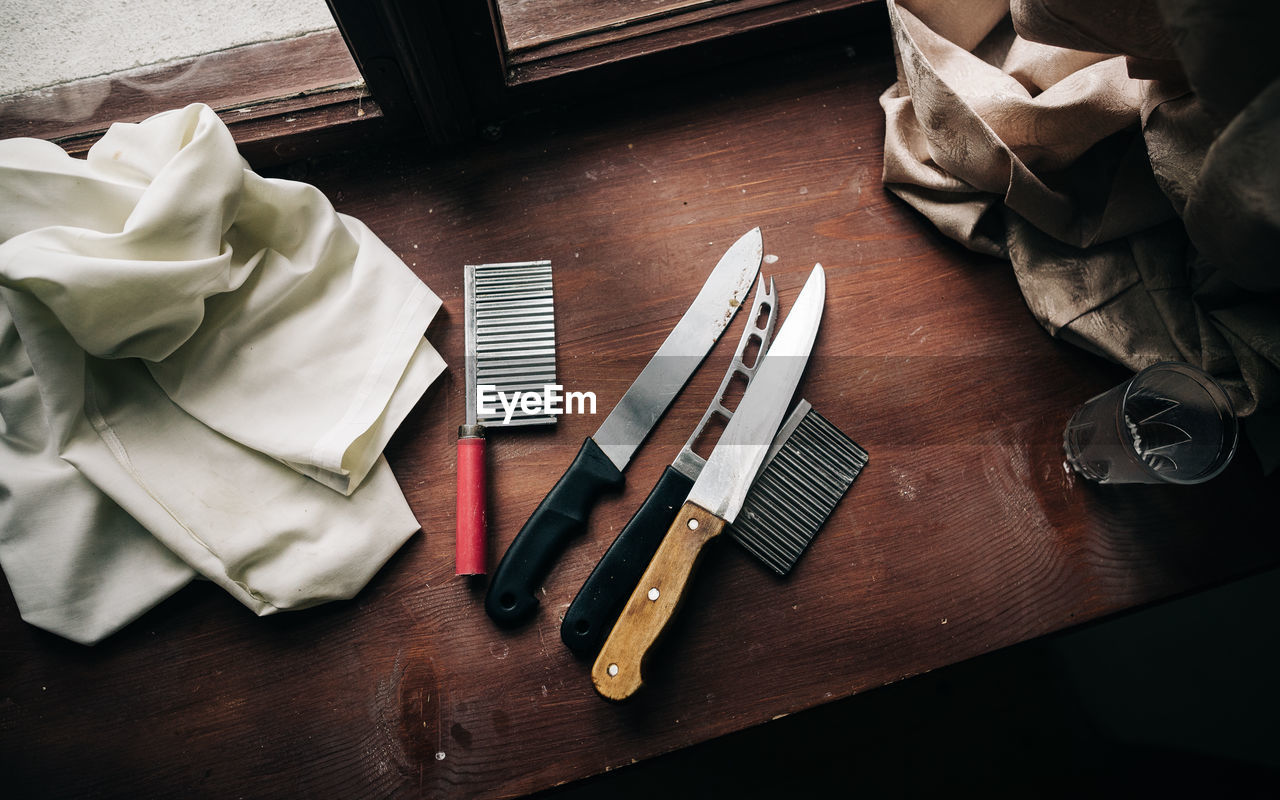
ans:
(439, 71)
(445, 63)
(595, 41)
(314, 100)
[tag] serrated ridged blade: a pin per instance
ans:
(798, 488)
(511, 336)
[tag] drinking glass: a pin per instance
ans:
(1170, 423)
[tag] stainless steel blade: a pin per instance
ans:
(685, 347)
(722, 486)
(688, 462)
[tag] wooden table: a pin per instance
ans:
(964, 534)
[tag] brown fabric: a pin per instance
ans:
(1124, 156)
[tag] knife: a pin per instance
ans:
(715, 499)
(605, 454)
(602, 596)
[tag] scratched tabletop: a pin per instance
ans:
(964, 534)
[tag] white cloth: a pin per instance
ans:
(199, 369)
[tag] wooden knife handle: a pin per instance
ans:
(617, 672)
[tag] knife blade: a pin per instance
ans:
(714, 501)
(600, 600)
(604, 455)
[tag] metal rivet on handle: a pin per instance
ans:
(693, 524)
(613, 670)
(653, 593)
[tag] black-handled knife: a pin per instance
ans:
(560, 517)
(511, 598)
(592, 613)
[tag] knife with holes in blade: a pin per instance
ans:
(598, 467)
(600, 600)
(715, 499)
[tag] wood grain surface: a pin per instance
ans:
(964, 534)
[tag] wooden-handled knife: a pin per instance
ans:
(715, 499)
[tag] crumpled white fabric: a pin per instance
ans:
(199, 369)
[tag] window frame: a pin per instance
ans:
(439, 71)
(444, 67)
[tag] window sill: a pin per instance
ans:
(551, 45)
(281, 100)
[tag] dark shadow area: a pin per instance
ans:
(1176, 700)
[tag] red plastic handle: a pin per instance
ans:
(469, 559)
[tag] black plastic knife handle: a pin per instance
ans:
(601, 598)
(561, 516)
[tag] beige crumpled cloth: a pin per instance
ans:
(199, 369)
(1124, 156)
